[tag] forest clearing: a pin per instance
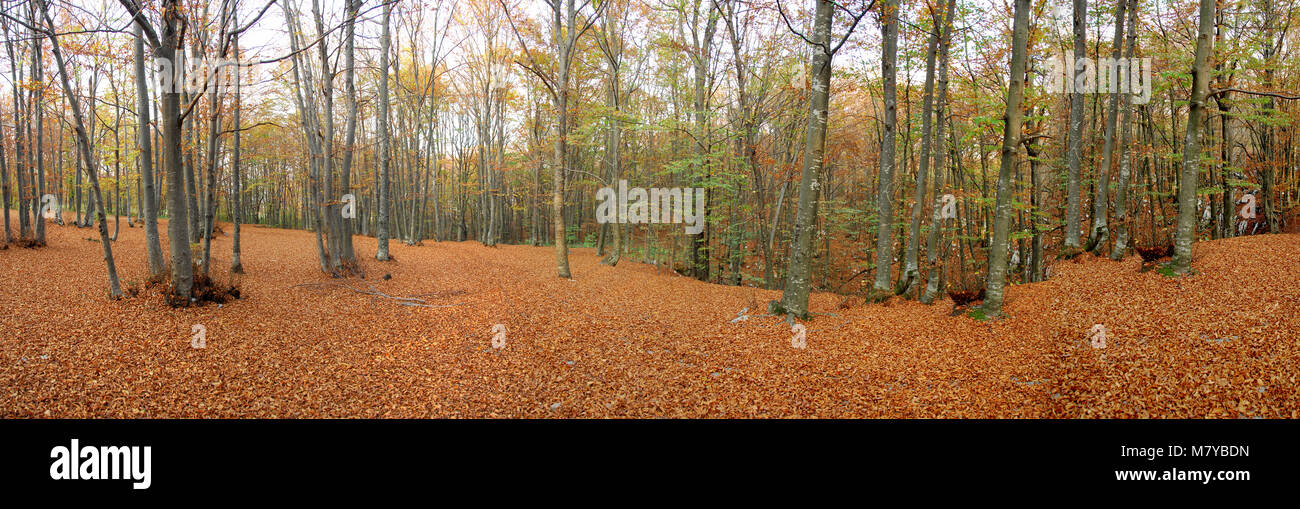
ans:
(637, 341)
(664, 208)
(734, 247)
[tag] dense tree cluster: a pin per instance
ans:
(963, 148)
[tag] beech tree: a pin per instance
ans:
(885, 187)
(794, 301)
(1187, 183)
(164, 43)
(83, 150)
(1010, 140)
(453, 130)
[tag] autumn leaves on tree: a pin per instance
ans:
(936, 158)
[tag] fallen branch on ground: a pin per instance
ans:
(375, 292)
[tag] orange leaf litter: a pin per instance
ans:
(629, 341)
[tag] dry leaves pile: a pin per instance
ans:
(628, 341)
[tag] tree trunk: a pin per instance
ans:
(1074, 153)
(20, 158)
(565, 34)
(932, 248)
(236, 205)
(38, 111)
(885, 191)
(1182, 260)
(178, 224)
(84, 150)
(1126, 161)
(1099, 234)
(794, 301)
(1010, 139)
(346, 250)
(910, 258)
(385, 148)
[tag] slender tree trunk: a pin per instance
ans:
(117, 163)
(794, 301)
(20, 156)
(1126, 161)
(214, 146)
(612, 144)
(932, 248)
(910, 258)
(385, 150)
(565, 34)
(4, 182)
(237, 178)
(1010, 139)
(1267, 203)
(1100, 231)
(1182, 260)
(1074, 153)
(885, 191)
(38, 111)
(84, 150)
(195, 232)
(346, 251)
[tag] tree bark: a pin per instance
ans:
(1126, 160)
(1010, 140)
(385, 147)
(1100, 231)
(1074, 152)
(347, 253)
(236, 198)
(885, 190)
(1182, 260)
(910, 258)
(84, 150)
(932, 249)
(794, 301)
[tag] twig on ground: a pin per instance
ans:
(375, 292)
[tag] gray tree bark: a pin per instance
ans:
(83, 150)
(236, 206)
(794, 301)
(885, 189)
(347, 253)
(611, 45)
(1074, 152)
(20, 168)
(1100, 231)
(910, 258)
(37, 105)
(1010, 140)
(164, 48)
(934, 275)
(385, 147)
(1126, 160)
(1187, 182)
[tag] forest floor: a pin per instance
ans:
(630, 341)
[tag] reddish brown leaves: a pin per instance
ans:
(627, 341)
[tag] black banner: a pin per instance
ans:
(320, 459)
